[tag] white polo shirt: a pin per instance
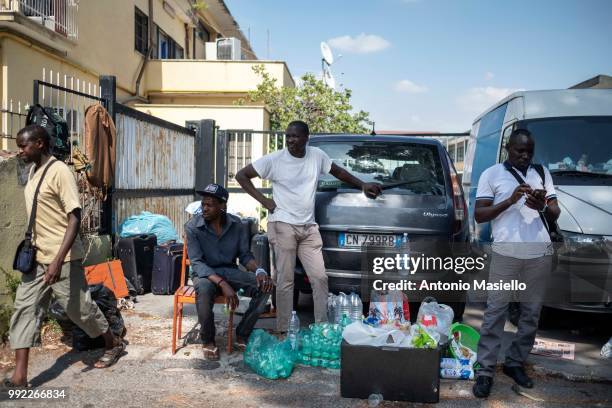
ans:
(518, 231)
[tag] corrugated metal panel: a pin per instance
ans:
(172, 207)
(152, 157)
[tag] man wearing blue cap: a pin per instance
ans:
(215, 239)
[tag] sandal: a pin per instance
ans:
(110, 356)
(211, 353)
(240, 344)
(8, 384)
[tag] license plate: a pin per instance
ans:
(347, 240)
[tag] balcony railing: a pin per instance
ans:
(57, 15)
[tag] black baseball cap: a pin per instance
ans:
(215, 190)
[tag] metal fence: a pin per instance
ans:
(57, 15)
(154, 168)
(12, 118)
(69, 97)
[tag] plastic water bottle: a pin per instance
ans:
(606, 350)
(294, 330)
(463, 373)
(331, 308)
(374, 400)
(454, 363)
(356, 307)
(343, 306)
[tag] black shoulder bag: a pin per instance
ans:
(25, 256)
(552, 227)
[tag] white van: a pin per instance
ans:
(572, 130)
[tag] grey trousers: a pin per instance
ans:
(534, 273)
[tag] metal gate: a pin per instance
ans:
(70, 101)
(154, 168)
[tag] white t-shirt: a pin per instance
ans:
(294, 183)
(518, 231)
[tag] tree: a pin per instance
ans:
(324, 109)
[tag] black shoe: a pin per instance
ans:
(518, 375)
(483, 385)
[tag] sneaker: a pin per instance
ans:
(483, 385)
(518, 375)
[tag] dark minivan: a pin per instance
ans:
(422, 201)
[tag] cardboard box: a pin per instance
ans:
(399, 374)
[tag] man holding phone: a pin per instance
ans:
(521, 250)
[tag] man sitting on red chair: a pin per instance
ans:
(215, 239)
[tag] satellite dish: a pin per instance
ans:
(329, 79)
(326, 53)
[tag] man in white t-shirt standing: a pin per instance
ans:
(292, 229)
(521, 250)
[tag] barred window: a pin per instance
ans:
(239, 155)
(141, 25)
(460, 150)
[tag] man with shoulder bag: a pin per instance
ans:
(50, 258)
(519, 200)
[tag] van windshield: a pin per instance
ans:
(406, 168)
(574, 147)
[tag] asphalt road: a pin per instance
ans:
(148, 375)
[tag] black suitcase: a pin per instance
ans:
(167, 261)
(136, 255)
(261, 251)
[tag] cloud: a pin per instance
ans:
(360, 44)
(477, 100)
(488, 76)
(408, 86)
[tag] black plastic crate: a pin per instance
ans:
(399, 374)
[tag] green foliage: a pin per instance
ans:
(12, 281)
(324, 109)
(6, 310)
(53, 326)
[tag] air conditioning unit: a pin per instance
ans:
(229, 49)
(210, 48)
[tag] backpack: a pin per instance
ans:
(55, 125)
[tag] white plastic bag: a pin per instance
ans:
(361, 334)
(358, 333)
(435, 316)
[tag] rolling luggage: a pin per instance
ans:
(167, 261)
(136, 255)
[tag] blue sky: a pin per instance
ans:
(435, 64)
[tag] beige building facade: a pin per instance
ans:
(179, 60)
(162, 53)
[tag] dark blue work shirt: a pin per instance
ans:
(207, 251)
